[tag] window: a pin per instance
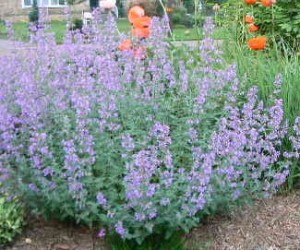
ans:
(45, 3)
(27, 3)
(57, 2)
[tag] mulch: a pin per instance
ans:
(272, 224)
(44, 235)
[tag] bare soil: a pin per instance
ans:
(43, 235)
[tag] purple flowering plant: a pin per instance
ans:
(138, 147)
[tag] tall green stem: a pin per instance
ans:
(165, 13)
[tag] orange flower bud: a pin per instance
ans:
(249, 19)
(253, 28)
(267, 3)
(250, 2)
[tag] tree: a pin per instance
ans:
(189, 5)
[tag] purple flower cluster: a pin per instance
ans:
(247, 144)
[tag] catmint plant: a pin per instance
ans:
(138, 145)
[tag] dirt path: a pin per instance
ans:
(195, 43)
(272, 224)
(7, 47)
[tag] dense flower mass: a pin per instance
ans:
(142, 147)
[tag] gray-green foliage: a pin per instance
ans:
(179, 15)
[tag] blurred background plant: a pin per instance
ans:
(34, 13)
(11, 219)
(279, 22)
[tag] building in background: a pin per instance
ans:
(17, 10)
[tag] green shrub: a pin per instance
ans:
(192, 20)
(77, 24)
(34, 13)
(282, 21)
(228, 13)
(189, 5)
(11, 220)
(179, 15)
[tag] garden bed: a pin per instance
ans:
(269, 224)
(148, 142)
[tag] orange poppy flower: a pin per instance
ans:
(141, 32)
(253, 28)
(258, 43)
(126, 45)
(135, 12)
(142, 22)
(249, 19)
(250, 2)
(267, 3)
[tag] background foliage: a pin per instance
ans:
(11, 220)
(280, 23)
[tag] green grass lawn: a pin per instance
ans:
(180, 32)
(21, 30)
